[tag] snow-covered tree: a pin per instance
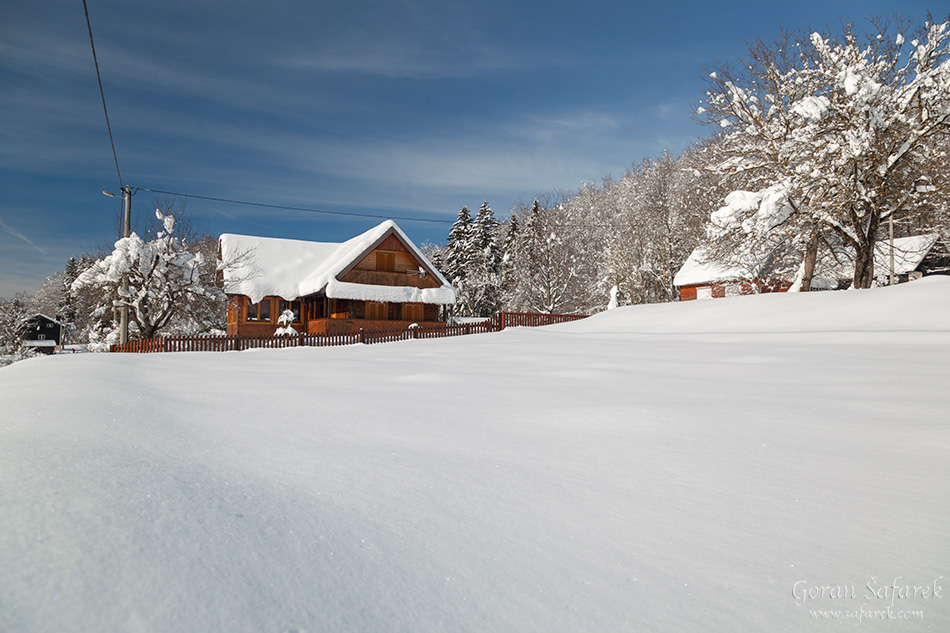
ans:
(460, 248)
(510, 230)
(829, 136)
(167, 279)
(471, 261)
(12, 314)
(545, 265)
(484, 272)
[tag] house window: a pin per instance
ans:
(704, 292)
(377, 311)
(293, 306)
(386, 261)
(259, 311)
(413, 312)
(340, 309)
(40, 337)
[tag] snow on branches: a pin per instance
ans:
(843, 128)
(165, 279)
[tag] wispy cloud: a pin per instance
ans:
(17, 234)
(411, 59)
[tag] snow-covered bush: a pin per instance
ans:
(284, 321)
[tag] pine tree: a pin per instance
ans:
(460, 247)
(506, 268)
(67, 305)
(484, 272)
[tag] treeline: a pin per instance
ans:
(570, 252)
(821, 143)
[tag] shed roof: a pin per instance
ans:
(698, 270)
(909, 252)
(266, 266)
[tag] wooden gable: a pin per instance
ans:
(389, 262)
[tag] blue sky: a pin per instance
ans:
(400, 108)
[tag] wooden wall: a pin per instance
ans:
(405, 271)
(689, 293)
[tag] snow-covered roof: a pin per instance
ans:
(266, 266)
(697, 270)
(909, 252)
(48, 318)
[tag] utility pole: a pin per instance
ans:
(891, 223)
(126, 232)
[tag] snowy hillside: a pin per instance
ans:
(728, 465)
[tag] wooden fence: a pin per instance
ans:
(497, 323)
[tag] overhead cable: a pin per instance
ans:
(290, 208)
(102, 93)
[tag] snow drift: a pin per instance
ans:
(714, 466)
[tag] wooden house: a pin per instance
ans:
(377, 280)
(701, 278)
(43, 333)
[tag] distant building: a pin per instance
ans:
(43, 333)
(701, 278)
(914, 257)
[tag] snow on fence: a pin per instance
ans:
(497, 323)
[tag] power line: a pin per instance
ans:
(102, 92)
(289, 208)
(354, 214)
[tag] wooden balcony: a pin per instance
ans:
(409, 278)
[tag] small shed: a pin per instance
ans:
(703, 278)
(914, 257)
(44, 334)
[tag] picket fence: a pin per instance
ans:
(497, 323)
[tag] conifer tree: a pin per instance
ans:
(484, 272)
(460, 247)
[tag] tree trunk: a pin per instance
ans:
(864, 265)
(811, 257)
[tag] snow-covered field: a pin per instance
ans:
(728, 465)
